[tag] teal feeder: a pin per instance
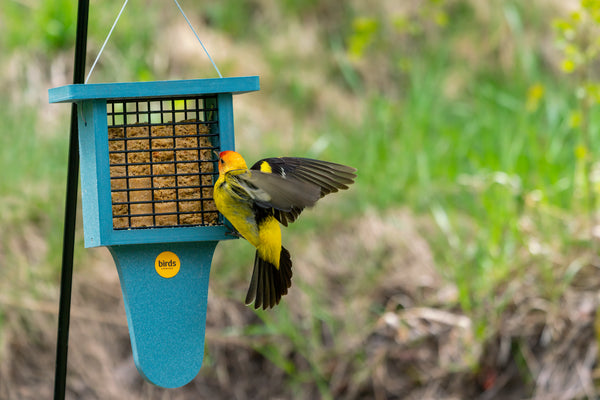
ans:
(148, 165)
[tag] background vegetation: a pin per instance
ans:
(462, 264)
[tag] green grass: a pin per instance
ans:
(492, 175)
(482, 166)
(479, 164)
(33, 164)
(31, 195)
(472, 163)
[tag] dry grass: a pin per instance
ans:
(416, 346)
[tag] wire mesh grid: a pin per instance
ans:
(163, 162)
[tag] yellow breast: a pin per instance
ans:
(237, 212)
(266, 237)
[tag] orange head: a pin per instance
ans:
(230, 160)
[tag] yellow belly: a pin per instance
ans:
(266, 237)
(269, 248)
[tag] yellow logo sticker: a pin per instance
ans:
(167, 264)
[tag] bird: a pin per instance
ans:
(257, 200)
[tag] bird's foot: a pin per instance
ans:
(233, 233)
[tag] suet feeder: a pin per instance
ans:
(148, 165)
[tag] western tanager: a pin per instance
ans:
(257, 200)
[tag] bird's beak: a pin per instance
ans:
(218, 160)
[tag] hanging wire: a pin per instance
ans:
(197, 37)
(115, 24)
(106, 41)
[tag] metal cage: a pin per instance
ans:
(162, 162)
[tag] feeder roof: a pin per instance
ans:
(155, 89)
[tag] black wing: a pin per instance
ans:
(272, 191)
(327, 176)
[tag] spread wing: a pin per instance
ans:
(273, 191)
(328, 177)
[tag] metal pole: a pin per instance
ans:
(66, 280)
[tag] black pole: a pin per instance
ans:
(66, 279)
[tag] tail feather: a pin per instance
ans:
(269, 283)
(253, 288)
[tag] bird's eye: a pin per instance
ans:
(221, 161)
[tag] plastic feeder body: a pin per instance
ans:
(148, 165)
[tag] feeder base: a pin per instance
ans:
(165, 289)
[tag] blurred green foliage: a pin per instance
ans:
(230, 16)
(47, 26)
(486, 138)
